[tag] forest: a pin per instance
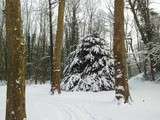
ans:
(79, 59)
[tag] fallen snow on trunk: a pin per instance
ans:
(88, 105)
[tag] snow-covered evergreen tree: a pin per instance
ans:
(91, 68)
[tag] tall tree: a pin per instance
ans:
(58, 48)
(142, 16)
(15, 105)
(2, 41)
(121, 82)
(74, 29)
(27, 7)
(74, 36)
(51, 36)
(91, 9)
(72, 9)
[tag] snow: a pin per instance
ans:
(120, 88)
(41, 105)
(119, 75)
(12, 112)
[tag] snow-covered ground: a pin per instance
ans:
(90, 106)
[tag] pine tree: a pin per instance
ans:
(15, 105)
(58, 49)
(121, 82)
(90, 67)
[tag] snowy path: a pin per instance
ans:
(89, 106)
(68, 106)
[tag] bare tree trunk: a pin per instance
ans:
(152, 67)
(121, 82)
(58, 48)
(146, 31)
(132, 5)
(28, 38)
(2, 44)
(138, 66)
(15, 105)
(51, 39)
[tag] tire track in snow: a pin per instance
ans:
(70, 111)
(45, 115)
(65, 111)
(79, 113)
(91, 116)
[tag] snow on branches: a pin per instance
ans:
(90, 67)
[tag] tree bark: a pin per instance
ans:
(121, 82)
(15, 105)
(51, 39)
(58, 48)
